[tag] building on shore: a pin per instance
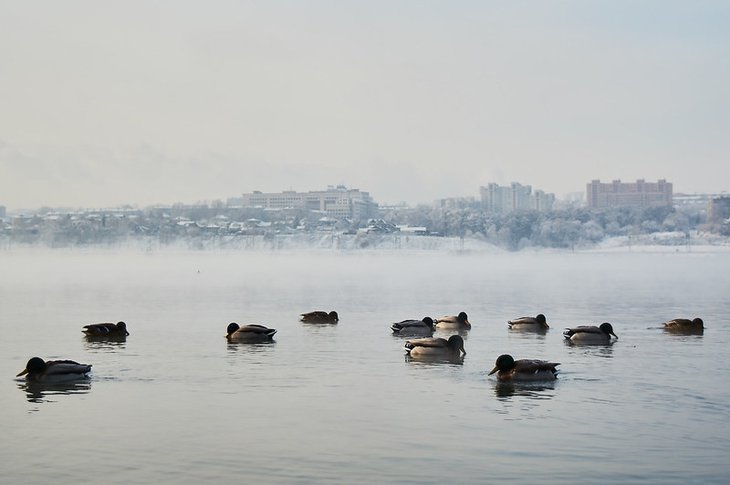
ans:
(455, 203)
(637, 194)
(337, 201)
(718, 210)
(505, 199)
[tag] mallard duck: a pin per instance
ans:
(37, 370)
(458, 322)
(685, 325)
(251, 333)
(537, 323)
(320, 317)
(436, 347)
(590, 334)
(118, 329)
(509, 369)
(413, 327)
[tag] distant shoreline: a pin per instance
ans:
(657, 242)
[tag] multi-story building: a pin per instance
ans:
(505, 199)
(718, 210)
(339, 202)
(2, 212)
(454, 203)
(633, 194)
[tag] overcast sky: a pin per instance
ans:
(146, 102)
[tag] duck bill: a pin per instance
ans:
(614, 335)
(126, 333)
(493, 370)
(25, 371)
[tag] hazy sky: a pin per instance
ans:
(145, 102)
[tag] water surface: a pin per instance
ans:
(341, 403)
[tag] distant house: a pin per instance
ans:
(413, 230)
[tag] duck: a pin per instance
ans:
(458, 322)
(413, 327)
(118, 329)
(508, 369)
(590, 334)
(38, 370)
(436, 347)
(685, 325)
(536, 323)
(251, 333)
(320, 317)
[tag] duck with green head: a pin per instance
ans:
(535, 324)
(38, 370)
(436, 347)
(510, 370)
(413, 327)
(590, 334)
(118, 329)
(251, 333)
(451, 322)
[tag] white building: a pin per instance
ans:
(505, 199)
(339, 202)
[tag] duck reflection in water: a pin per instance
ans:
(108, 344)
(531, 390)
(38, 392)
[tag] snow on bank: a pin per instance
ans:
(669, 242)
(657, 242)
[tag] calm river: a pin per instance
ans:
(340, 403)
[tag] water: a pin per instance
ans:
(340, 403)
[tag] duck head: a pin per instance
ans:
(232, 327)
(122, 327)
(607, 328)
(504, 363)
(457, 343)
(35, 365)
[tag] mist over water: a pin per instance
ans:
(341, 403)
